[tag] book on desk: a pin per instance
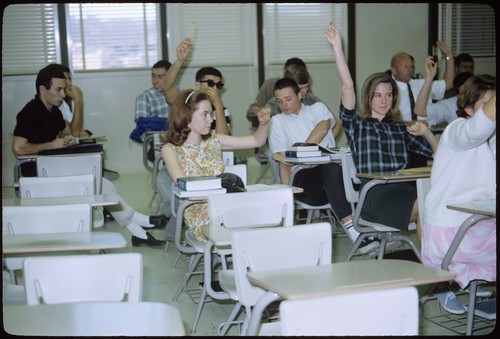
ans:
(197, 183)
(197, 193)
(320, 159)
(309, 147)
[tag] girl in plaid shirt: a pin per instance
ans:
(380, 141)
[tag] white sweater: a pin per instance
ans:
(463, 169)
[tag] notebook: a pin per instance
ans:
(74, 149)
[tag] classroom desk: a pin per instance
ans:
(339, 278)
(94, 319)
(61, 242)
(186, 202)
(94, 200)
(381, 178)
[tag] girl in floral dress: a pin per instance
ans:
(191, 150)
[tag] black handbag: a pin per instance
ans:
(232, 183)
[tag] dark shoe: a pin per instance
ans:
(159, 221)
(150, 241)
(369, 244)
(107, 215)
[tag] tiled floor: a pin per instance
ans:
(161, 280)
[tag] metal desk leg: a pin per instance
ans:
(258, 310)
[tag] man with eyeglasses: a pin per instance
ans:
(208, 79)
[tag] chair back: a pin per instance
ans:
(83, 278)
(46, 219)
(43, 187)
(57, 166)
(423, 187)
(240, 170)
(247, 210)
(379, 312)
(265, 249)
(349, 175)
(228, 158)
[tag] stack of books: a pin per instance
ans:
(305, 152)
(198, 186)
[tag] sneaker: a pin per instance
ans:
(369, 244)
(481, 292)
(450, 302)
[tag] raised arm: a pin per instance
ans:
(348, 96)
(170, 79)
(449, 69)
(75, 93)
(423, 95)
(221, 126)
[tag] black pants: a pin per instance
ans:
(323, 184)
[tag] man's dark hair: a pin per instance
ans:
(295, 61)
(61, 67)
(460, 79)
(202, 72)
(463, 57)
(45, 75)
(162, 64)
(285, 83)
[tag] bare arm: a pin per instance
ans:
(421, 128)
(319, 132)
(171, 161)
(170, 79)
(490, 107)
(423, 95)
(76, 94)
(221, 126)
(449, 70)
(252, 141)
(337, 128)
(348, 96)
(21, 146)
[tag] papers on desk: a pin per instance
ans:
(320, 159)
(195, 194)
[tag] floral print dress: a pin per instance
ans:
(197, 160)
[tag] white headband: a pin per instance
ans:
(189, 96)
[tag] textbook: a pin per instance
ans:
(301, 154)
(198, 193)
(199, 183)
(303, 147)
(319, 159)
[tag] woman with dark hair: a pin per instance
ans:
(464, 170)
(379, 140)
(191, 149)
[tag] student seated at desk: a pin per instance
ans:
(379, 140)
(192, 150)
(40, 126)
(323, 183)
(464, 169)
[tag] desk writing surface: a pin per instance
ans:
(94, 319)
(93, 200)
(346, 277)
(486, 207)
(61, 242)
(393, 175)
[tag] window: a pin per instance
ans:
(29, 38)
(113, 36)
(224, 35)
(289, 28)
(468, 28)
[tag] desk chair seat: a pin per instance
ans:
(384, 233)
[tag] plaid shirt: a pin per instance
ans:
(379, 146)
(151, 103)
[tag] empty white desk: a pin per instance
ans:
(61, 242)
(339, 278)
(94, 319)
(93, 200)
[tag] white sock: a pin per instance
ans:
(141, 219)
(353, 234)
(137, 230)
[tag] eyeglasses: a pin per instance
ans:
(212, 83)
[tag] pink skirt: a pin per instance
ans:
(475, 258)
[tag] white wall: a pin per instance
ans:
(381, 31)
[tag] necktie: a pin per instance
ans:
(412, 103)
